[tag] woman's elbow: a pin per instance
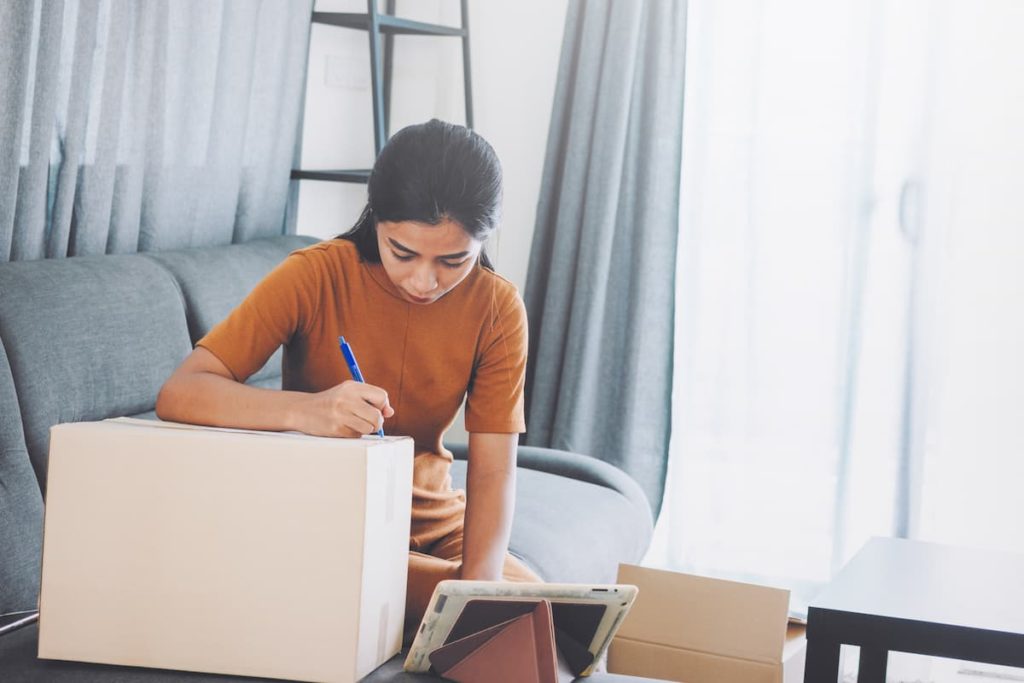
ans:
(167, 399)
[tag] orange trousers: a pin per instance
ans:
(439, 561)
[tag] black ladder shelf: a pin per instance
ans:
(381, 62)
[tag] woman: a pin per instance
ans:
(411, 289)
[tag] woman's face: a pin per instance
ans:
(425, 261)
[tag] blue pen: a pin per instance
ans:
(353, 367)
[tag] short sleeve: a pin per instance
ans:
(495, 398)
(278, 307)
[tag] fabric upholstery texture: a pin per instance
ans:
(21, 506)
(88, 338)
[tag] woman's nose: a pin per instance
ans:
(424, 280)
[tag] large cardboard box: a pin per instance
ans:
(701, 630)
(224, 551)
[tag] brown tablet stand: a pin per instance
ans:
(517, 650)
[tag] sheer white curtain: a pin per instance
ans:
(848, 329)
(970, 439)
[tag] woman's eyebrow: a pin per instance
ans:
(401, 247)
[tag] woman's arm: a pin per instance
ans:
(490, 502)
(203, 391)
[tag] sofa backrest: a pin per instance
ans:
(93, 337)
(87, 338)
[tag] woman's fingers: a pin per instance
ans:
(349, 409)
(356, 425)
(369, 416)
(376, 397)
(367, 405)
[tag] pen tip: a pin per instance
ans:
(341, 340)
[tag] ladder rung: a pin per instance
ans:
(388, 24)
(346, 176)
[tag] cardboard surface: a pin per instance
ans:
(224, 551)
(701, 630)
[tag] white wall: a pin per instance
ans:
(515, 48)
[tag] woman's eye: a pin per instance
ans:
(449, 264)
(401, 257)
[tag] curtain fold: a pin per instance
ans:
(133, 126)
(600, 289)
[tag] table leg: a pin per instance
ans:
(873, 663)
(822, 662)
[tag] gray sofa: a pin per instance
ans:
(89, 338)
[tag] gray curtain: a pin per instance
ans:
(138, 126)
(599, 292)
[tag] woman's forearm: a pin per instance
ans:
(203, 391)
(209, 399)
(490, 503)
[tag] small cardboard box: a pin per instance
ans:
(700, 630)
(224, 551)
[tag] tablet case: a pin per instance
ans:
(494, 641)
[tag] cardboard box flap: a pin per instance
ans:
(726, 618)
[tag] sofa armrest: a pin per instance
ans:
(576, 466)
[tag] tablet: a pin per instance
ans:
(585, 616)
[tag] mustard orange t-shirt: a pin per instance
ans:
(469, 344)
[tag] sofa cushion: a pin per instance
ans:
(19, 664)
(21, 506)
(88, 338)
(214, 280)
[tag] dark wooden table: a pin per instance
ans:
(922, 598)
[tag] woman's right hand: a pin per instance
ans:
(349, 409)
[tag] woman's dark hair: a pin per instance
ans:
(426, 173)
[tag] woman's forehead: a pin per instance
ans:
(447, 237)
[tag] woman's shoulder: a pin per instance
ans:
(501, 293)
(334, 248)
(328, 258)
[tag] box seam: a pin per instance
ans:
(766, 662)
